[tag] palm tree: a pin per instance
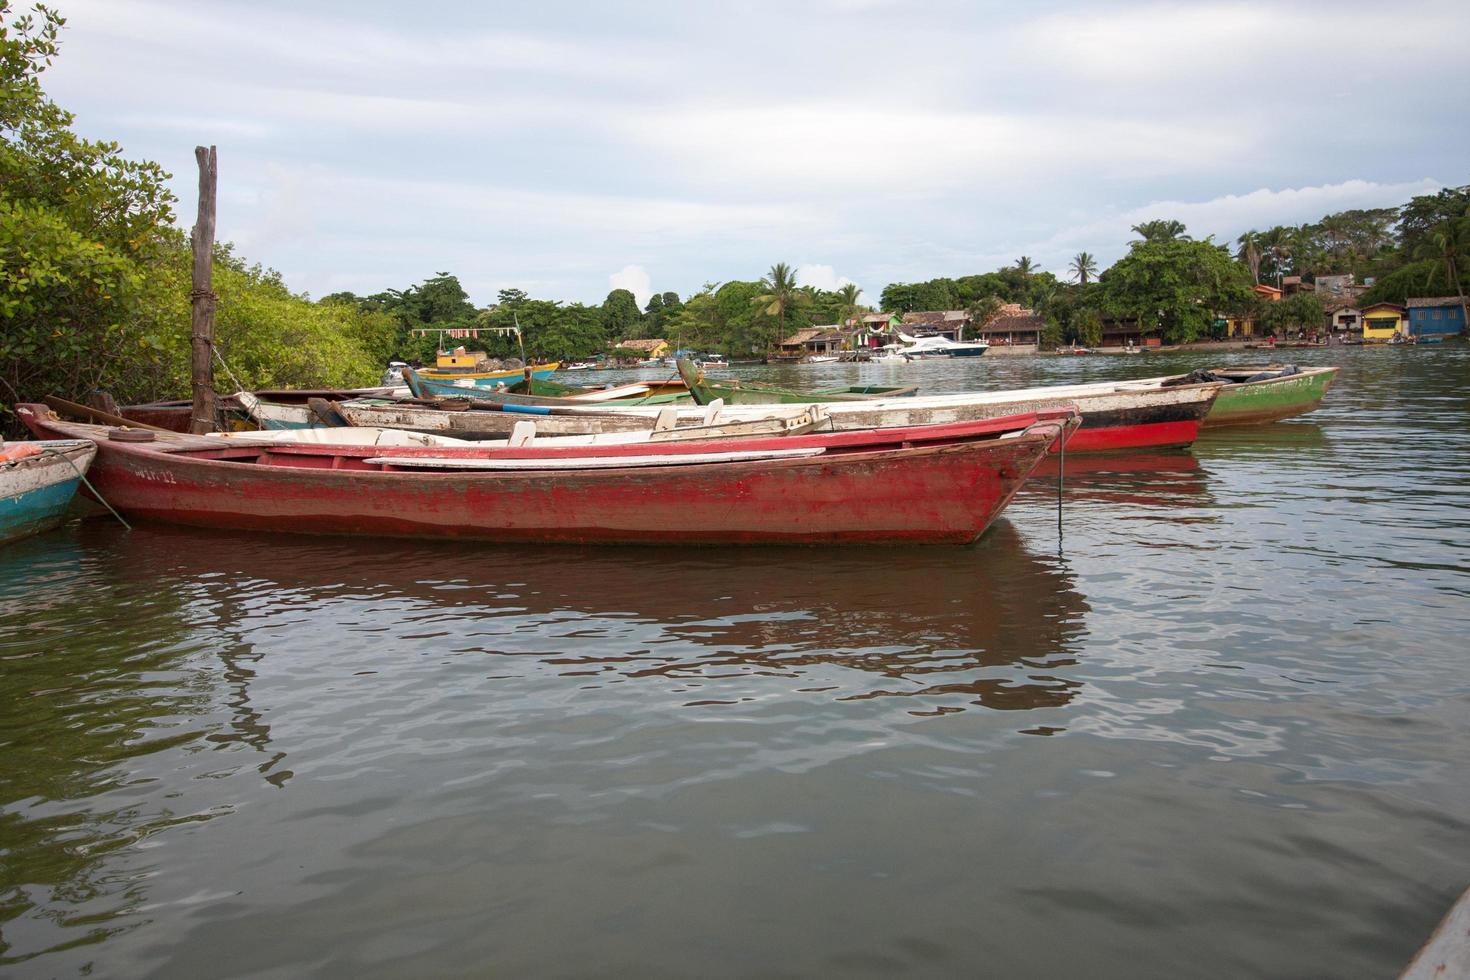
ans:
(847, 301)
(983, 310)
(1025, 267)
(1250, 253)
(1083, 265)
(1160, 230)
(1279, 246)
(781, 293)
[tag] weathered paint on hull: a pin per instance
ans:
(35, 492)
(1111, 420)
(1255, 402)
(486, 424)
(941, 494)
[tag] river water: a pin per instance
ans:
(1220, 727)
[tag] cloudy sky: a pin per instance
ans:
(564, 148)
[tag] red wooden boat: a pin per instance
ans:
(939, 484)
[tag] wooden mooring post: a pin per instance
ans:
(202, 297)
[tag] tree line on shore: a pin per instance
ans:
(94, 278)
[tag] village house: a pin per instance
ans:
(1236, 325)
(1014, 325)
(1344, 317)
(1381, 321)
(1244, 324)
(1431, 315)
(873, 329)
(1125, 331)
(820, 340)
(1337, 289)
(651, 347)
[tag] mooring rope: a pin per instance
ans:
(1061, 478)
(88, 483)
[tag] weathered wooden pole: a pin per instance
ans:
(202, 298)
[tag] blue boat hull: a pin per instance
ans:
(35, 492)
(36, 511)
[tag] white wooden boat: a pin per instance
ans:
(1116, 415)
(528, 430)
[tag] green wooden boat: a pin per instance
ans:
(1278, 391)
(749, 393)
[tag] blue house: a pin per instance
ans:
(1435, 314)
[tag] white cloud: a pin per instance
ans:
(821, 277)
(356, 45)
(543, 146)
(922, 151)
(633, 278)
(1179, 44)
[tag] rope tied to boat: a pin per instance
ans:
(239, 385)
(1061, 479)
(88, 484)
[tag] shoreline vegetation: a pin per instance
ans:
(94, 279)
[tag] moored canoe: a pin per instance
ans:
(1268, 399)
(943, 484)
(37, 483)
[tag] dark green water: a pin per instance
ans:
(1223, 731)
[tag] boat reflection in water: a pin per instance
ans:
(990, 625)
(1162, 478)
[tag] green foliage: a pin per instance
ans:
(1019, 283)
(735, 315)
(1087, 328)
(936, 294)
(1299, 311)
(1175, 287)
(272, 338)
(778, 307)
(697, 325)
(1083, 267)
(549, 330)
(1418, 217)
(69, 305)
(1426, 277)
(95, 281)
(621, 318)
(1160, 230)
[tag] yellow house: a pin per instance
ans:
(653, 347)
(1382, 320)
(1238, 325)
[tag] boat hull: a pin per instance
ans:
(1112, 419)
(36, 491)
(1255, 402)
(455, 385)
(932, 494)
